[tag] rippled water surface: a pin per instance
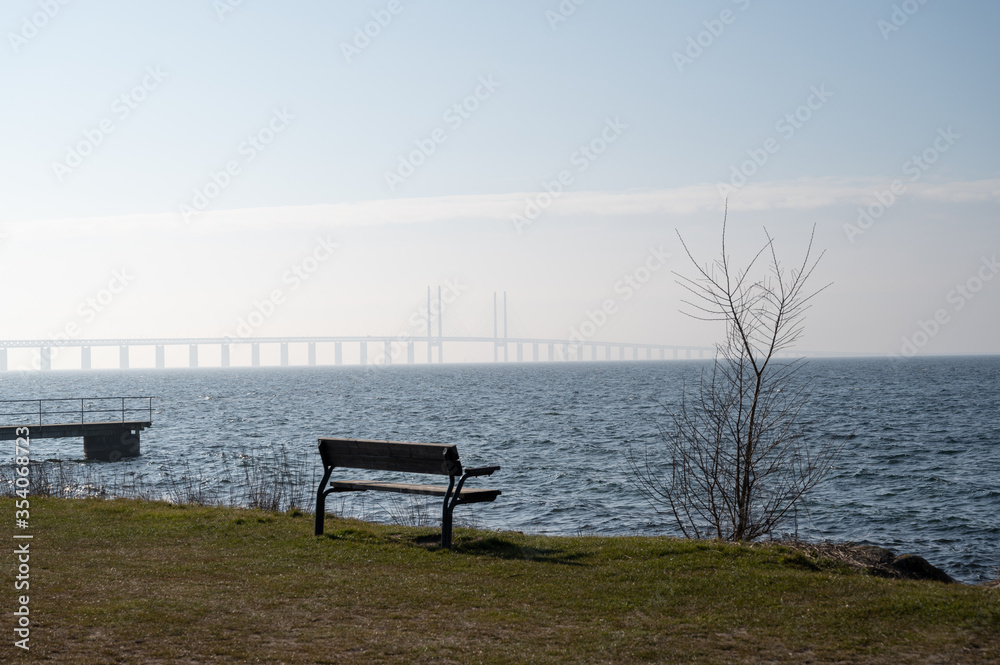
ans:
(919, 472)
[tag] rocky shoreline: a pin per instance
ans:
(880, 562)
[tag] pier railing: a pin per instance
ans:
(71, 409)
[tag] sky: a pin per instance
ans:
(169, 169)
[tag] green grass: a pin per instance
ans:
(138, 582)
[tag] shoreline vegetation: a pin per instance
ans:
(130, 580)
(271, 483)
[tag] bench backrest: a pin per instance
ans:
(401, 456)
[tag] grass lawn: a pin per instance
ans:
(137, 582)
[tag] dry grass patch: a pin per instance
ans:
(140, 582)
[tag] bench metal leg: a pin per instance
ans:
(321, 501)
(446, 510)
(446, 526)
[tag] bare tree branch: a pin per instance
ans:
(738, 463)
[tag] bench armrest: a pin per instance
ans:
(481, 471)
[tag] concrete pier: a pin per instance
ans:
(102, 440)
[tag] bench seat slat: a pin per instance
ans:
(467, 495)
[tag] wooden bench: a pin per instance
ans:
(433, 458)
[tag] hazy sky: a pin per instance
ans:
(179, 162)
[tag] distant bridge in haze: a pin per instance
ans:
(391, 349)
(388, 350)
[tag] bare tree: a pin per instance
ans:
(736, 462)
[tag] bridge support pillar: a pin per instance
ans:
(338, 352)
(364, 353)
(621, 353)
(534, 352)
(255, 354)
(607, 352)
(552, 352)
(225, 355)
(387, 352)
(3, 360)
(84, 357)
(689, 353)
(409, 353)
(635, 353)
(193, 355)
(701, 353)
(593, 352)
(312, 354)
(123, 357)
(160, 361)
(520, 352)
(284, 354)
(675, 354)
(45, 357)
(663, 354)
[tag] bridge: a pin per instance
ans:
(385, 350)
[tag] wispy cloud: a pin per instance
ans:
(801, 194)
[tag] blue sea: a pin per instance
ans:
(919, 469)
